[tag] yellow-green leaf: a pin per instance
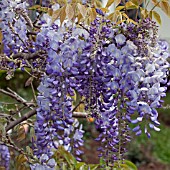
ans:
(154, 2)
(20, 159)
(150, 14)
(62, 14)
(157, 17)
(105, 10)
(79, 17)
(164, 5)
(50, 11)
(125, 15)
(62, 2)
(117, 2)
(98, 3)
(132, 21)
(130, 5)
(21, 134)
(93, 14)
(82, 9)
(35, 7)
(1, 37)
(144, 12)
(109, 3)
(137, 2)
(69, 11)
(110, 16)
(56, 14)
(120, 8)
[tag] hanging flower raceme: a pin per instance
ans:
(13, 25)
(4, 157)
(55, 124)
(105, 64)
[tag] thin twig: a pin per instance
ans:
(33, 91)
(74, 109)
(22, 100)
(15, 96)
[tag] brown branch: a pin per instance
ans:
(80, 114)
(28, 56)
(21, 119)
(33, 112)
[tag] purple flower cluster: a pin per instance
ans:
(13, 25)
(104, 64)
(55, 124)
(4, 156)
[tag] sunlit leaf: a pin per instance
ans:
(79, 17)
(105, 10)
(157, 17)
(117, 2)
(50, 12)
(1, 37)
(132, 21)
(35, 7)
(93, 14)
(137, 2)
(56, 14)
(109, 3)
(130, 5)
(19, 161)
(29, 150)
(82, 9)
(98, 3)
(21, 134)
(125, 15)
(62, 2)
(110, 16)
(154, 2)
(130, 165)
(164, 5)
(120, 8)
(69, 11)
(144, 12)
(62, 14)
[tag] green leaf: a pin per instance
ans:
(65, 156)
(29, 150)
(157, 17)
(80, 165)
(130, 165)
(93, 166)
